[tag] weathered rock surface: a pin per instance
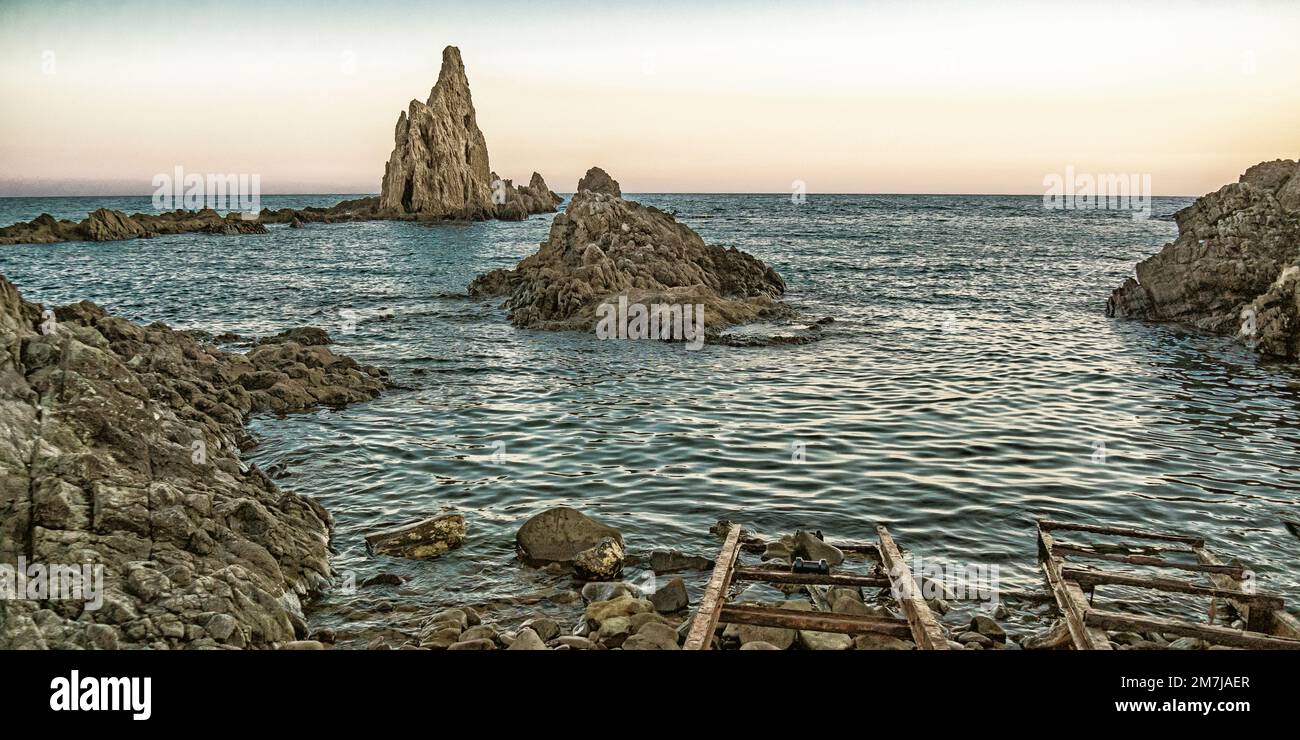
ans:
(109, 225)
(604, 247)
(560, 534)
(1234, 268)
(439, 165)
(423, 539)
(119, 446)
(601, 562)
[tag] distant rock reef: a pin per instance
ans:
(438, 170)
(1234, 269)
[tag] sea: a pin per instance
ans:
(969, 384)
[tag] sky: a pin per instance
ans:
(961, 96)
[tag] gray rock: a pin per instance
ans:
(600, 563)
(987, 627)
(614, 631)
(560, 535)
(653, 636)
(423, 539)
(606, 590)
(809, 547)
(759, 645)
(546, 628)
(671, 598)
(527, 639)
(476, 644)
(810, 640)
(574, 642)
(672, 561)
(876, 641)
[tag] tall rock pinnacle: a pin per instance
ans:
(439, 165)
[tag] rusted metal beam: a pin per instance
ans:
(1209, 632)
(833, 579)
(711, 603)
(925, 629)
(1275, 620)
(849, 624)
(1049, 525)
(1088, 578)
(1232, 570)
(1070, 600)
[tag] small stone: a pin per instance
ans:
(623, 606)
(302, 645)
(671, 598)
(573, 642)
(988, 628)
(606, 591)
(546, 628)
(423, 539)
(876, 641)
(600, 563)
(527, 639)
(479, 644)
(672, 561)
(653, 636)
(810, 640)
(480, 632)
(614, 631)
(759, 645)
(810, 547)
(974, 638)
(382, 579)
(1187, 643)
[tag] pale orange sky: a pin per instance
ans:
(940, 97)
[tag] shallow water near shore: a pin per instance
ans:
(969, 383)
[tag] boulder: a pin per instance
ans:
(423, 539)
(1234, 269)
(527, 639)
(671, 598)
(672, 561)
(601, 562)
(560, 534)
(607, 251)
(811, 547)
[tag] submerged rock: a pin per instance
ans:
(604, 250)
(423, 539)
(1234, 269)
(119, 446)
(560, 534)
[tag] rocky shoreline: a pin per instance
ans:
(121, 448)
(1234, 269)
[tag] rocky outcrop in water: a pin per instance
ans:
(119, 447)
(439, 165)
(1234, 268)
(109, 225)
(603, 248)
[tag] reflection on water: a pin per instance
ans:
(967, 385)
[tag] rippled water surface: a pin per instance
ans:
(964, 388)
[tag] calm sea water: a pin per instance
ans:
(965, 388)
